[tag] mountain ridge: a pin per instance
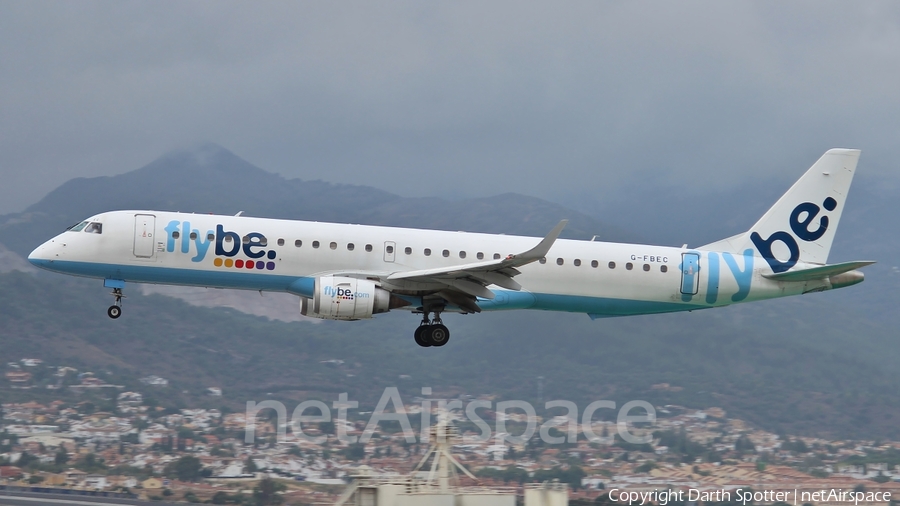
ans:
(217, 181)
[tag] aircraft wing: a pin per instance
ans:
(472, 279)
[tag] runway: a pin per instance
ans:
(34, 499)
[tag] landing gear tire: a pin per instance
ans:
(439, 335)
(432, 332)
(422, 336)
(114, 312)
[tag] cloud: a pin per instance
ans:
(461, 98)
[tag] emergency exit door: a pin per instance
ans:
(144, 226)
(389, 253)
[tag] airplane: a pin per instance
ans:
(353, 272)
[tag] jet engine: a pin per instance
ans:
(340, 298)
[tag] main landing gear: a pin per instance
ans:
(432, 332)
(115, 310)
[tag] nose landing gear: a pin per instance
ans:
(117, 285)
(432, 332)
(115, 310)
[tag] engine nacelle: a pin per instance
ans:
(339, 298)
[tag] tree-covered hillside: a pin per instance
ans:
(797, 379)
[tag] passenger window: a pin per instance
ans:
(479, 255)
(594, 263)
(227, 237)
(646, 267)
(94, 228)
(212, 237)
(496, 256)
(245, 239)
(577, 263)
(389, 249)
(368, 247)
(408, 250)
(350, 246)
(663, 268)
(462, 254)
(263, 241)
(193, 236)
(559, 261)
(629, 266)
(446, 253)
(427, 252)
(333, 245)
(281, 242)
(176, 235)
(543, 260)
(298, 243)
(315, 244)
(612, 265)
(77, 227)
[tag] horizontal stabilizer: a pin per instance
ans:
(814, 273)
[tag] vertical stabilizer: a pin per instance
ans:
(801, 225)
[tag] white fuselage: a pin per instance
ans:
(598, 278)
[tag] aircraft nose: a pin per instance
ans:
(36, 256)
(42, 255)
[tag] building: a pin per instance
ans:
(18, 377)
(10, 472)
(152, 483)
(440, 485)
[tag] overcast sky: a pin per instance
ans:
(458, 98)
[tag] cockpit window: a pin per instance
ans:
(77, 228)
(94, 228)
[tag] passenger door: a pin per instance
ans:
(144, 226)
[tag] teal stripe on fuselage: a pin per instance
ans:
(596, 307)
(233, 278)
(604, 306)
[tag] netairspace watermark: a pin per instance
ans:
(746, 496)
(628, 414)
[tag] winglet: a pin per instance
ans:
(540, 251)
